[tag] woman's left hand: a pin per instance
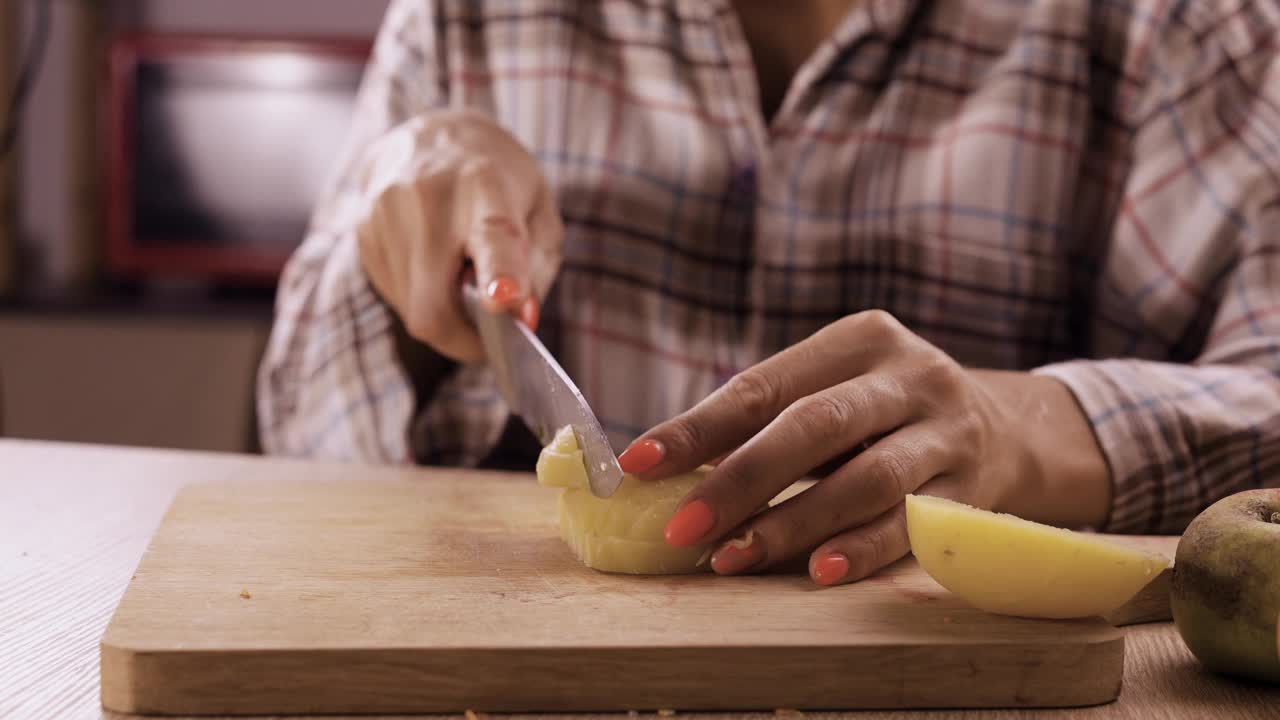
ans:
(915, 421)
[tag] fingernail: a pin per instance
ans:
(641, 457)
(831, 569)
(529, 313)
(737, 555)
(689, 524)
(503, 290)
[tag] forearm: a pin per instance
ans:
(1063, 478)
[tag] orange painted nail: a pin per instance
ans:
(737, 555)
(641, 457)
(530, 314)
(689, 524)
(503, 290)
(831, 569)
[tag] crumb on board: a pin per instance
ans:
(666, 712)
(473, 715)
(244, 594)
(788, 713)
(745, 541)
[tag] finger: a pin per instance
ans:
(395, 280)
(495, 238)
(546, 238)
(530, 313)
(837, 462)
(546, 242)
(859, 552)
(754, 397)
(432, 304)
(867, 486)
(863, 550)
(434, 310)
(808, 432)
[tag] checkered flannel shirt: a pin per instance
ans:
(1088, 190)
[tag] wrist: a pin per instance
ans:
(1057, 471)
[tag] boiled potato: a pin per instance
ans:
(1007, 565)
(621, 533)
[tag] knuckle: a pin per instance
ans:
(822, 415)
(734, 480)
(939, 369)
(874, 548)
(754, 392)
(890, 474)
(684, 435)
(944, 379)
(879, 325)
(499, 225)
(872, 553)
(969, 430)
(784, 533)
(393, 205)
(969, 441)
(889, 392)
(433, 184)
(476, 167)
(468, 116)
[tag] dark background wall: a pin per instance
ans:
(44, 205)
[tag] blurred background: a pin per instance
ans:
(157, 164)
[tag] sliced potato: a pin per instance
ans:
(621, 533)
(560, 464)
(1007, 565)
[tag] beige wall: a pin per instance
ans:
(134, 381)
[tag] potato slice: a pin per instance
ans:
(560, 464)
(1007, 565)
(621, 533)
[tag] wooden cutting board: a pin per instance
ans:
(455, 592)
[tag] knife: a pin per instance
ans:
(537, 389)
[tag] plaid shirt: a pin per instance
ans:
(1089, 190)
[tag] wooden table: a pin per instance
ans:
(75, 519)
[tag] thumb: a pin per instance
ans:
(498, 243)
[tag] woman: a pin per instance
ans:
(1022, 255)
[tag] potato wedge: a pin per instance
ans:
(1010, 566)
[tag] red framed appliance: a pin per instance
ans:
(217, 148)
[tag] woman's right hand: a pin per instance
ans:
(444, 189)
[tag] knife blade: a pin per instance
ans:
(540, 392)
